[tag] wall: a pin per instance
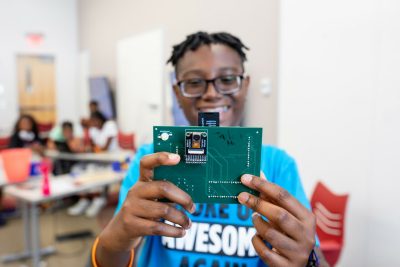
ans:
(339, 110)
(103, 23)
(57, 20)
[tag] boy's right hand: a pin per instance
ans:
(141, 213)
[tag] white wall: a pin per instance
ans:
(140, 66)
(83, 84)
(57, 20)
(339, 113)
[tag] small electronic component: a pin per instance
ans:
(195, 146)
(164, 136)
(208, 119)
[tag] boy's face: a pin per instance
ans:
(68, 133)
(209, 62)
(93, 107)
(96, 123)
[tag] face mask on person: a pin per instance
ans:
(26, 136)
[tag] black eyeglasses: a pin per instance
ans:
(225, 85)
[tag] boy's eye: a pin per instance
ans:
(194, 82)
(228, 79)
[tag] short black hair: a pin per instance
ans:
(67, 124)
(98, 115)
(195, 40)
(93, 102)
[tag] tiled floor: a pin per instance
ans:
(70, 253)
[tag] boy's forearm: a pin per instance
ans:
(113, 249)
(109, 258)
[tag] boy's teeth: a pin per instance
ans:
(218, 109)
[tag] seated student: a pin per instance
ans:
(74, 143)
(210, 73)
(103, 133)
(93, 107)
(65, 141)
(66, 138)
(26, 134)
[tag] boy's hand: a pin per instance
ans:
(141, 212)
(290, 228)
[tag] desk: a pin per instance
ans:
(62, 186)
(109, 157)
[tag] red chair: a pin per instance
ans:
(45, 127)
(126, 141)
(44, 130)
(329, 210)
(4, 141)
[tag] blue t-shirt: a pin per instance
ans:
(221, 234)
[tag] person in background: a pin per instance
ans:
(74, 144)
(64, 140)
(66, 134)
(93, 107)
(103, 135)
(26, 134)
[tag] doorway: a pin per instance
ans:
(37, 87)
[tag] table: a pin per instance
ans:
(109, 157)
(30, 194)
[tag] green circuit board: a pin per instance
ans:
(212, 160)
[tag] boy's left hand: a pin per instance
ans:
(290, 228)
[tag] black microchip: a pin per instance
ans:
(208, 119)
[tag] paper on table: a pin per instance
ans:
(59, 186)
(94, 177)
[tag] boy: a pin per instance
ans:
(210, 74)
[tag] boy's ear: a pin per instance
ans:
(245, 85)
(246, 80)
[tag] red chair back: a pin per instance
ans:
(45, 127)
(4, 141)
(126, 141)
(16, 164)
(329, 210)
(44, 130)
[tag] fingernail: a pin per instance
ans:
(190, 224)
(192, 209)
(183, 233)
(246, 178)
(173, 156)
(243, 197)
(254, 215)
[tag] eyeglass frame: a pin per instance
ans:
(241, 77)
